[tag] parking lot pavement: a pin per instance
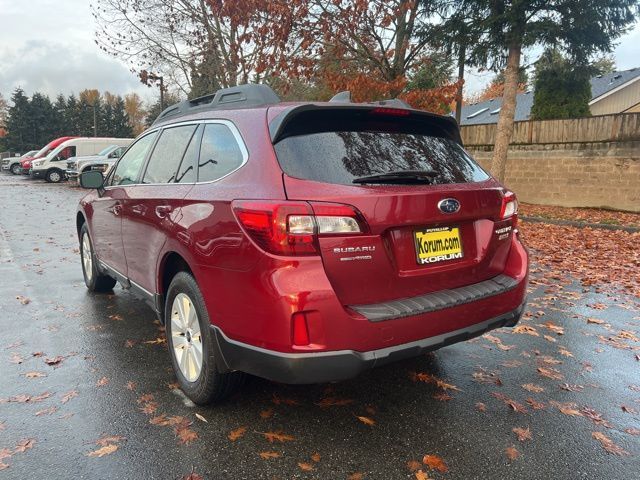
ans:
(86, 389)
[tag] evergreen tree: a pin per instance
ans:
(72, 116)
(62, 124)
(155, 109)
(562, 89)
(120, 126)
(18, 125)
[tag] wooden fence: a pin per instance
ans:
(604, 128)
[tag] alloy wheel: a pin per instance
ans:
(186, 337)
(87, 258)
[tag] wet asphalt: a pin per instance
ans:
(113, 379)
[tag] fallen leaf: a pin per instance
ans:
(632, 431)
(101, 452)
(481, 407)
(413, 465)
(278, 437)
(535, 404)
(565, 352)
(316, 457)
(201, 418)
(549, 338)
(597, 321)
(23, 300)
(237, 433)
(305, 467)
(69, 395)
(16, 358)
(268, 455)
(420, 475)
(108, 439)
(186, 435)
(525, 329)
(277, 400)
(334, 402)
(608, 444)
(523, 434)
(54, 361)
(131, 385)
(512, 453)
(268, 413)
(192, 476)
(34, 375)
(530, 387)
(102, 382)
(24, 445)
(435, 463)
(550, 373)
(47, 411)
(366, 420)
(356, 476)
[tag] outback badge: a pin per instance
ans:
(449, 205)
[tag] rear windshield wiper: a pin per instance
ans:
(402, 176)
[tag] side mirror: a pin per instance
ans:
(92, 179)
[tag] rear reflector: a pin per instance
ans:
(300, 330)
(293, 228)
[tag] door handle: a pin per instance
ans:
(163, 210)
(116, 209)
(137, 209)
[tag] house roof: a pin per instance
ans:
(488, 111)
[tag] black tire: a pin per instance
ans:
(54, 175)
(16, 169)
(94, 279)
(210, 386)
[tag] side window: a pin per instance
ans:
(167, 154)
(67, 152)
(188, 167)
(117, 153)
(220, 153)
(128, 167)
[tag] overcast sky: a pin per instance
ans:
(48, 46)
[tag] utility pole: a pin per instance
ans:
(154, 77)
(95, 123)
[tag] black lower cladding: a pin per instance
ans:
(320, 367)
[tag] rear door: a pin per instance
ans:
(431, 222)
(153, 206)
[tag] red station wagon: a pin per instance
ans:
(303, 242)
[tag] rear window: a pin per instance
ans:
(338, 148)
(343, 155)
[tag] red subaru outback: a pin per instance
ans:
(303, 242)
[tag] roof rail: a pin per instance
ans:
(345, 97)
(249, 95)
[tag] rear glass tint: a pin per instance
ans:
(340, 157)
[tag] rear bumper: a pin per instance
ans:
(320, 367)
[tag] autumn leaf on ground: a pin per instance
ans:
(131, 386)
(518, 407)
(487, 378)
(305, 467)
(550, 373)
(481, 407)
(267, 413)
(512, 453)
(54, 361)
(277, 437)
(428, 378)
(47, 411)
(523, 434)
(608, 444)
(413, 465)
(434, 462)
(24, 445)
(334, 402)
(565, 352)
(101, 452)
(102, 382)
(23, 300)
(356, 476)
(366, 420)
(632, 431)
(149, 408)
(186, 435)
(69, 395)
(201, 418)
(157, 341)
(535, 404)
(525, 329)
(277, 400)
(268, 455)
(316, 457)
(115, 317)
(192, 476)
(237, 433)
(597, 321)
(498, 342)
(420, 475)
(16, 358)
(34, 375)
(530, 387)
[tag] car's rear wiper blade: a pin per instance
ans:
(402, 176)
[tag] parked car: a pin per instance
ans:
(102, 161)
(25, 164)
(303, 242)
(12, 164)
(52, 167)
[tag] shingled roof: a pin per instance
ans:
(487, 111)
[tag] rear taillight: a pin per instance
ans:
(293, 228)
(509, 206)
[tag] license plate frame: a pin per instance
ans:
(438, 244)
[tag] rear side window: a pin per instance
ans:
(341, 157)
(220, 153)
(128, 168)
(167, 154)
(189, 166)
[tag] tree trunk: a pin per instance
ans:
(461, 60)
(507, 112)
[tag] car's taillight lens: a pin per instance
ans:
(293, 228)
(509, 206)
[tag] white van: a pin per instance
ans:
(52, 167)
